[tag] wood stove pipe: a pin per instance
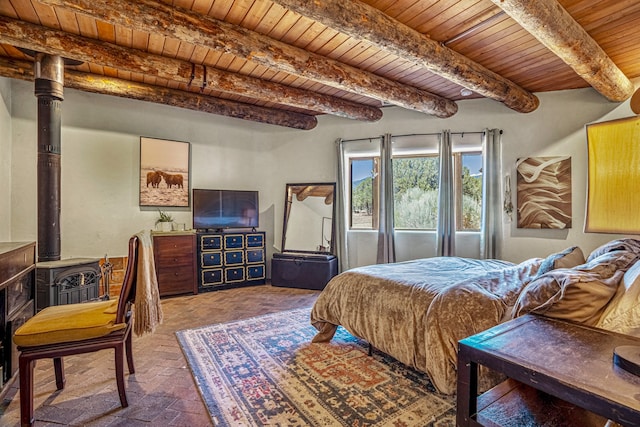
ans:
(49, 85)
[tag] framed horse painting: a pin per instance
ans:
(165, 174)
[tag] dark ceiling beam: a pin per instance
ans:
(364, 22)
(199, 30)
(556, 29)
(23, 70)
(54, 42)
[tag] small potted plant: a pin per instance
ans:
(164, 221)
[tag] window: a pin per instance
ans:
(415, 189)
(469, 191)
(415, 192)
(364, 193)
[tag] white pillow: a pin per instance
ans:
(623, 312)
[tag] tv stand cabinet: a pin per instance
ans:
(230, 259)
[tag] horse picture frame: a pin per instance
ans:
(165, 173)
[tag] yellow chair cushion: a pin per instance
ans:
(70, 322)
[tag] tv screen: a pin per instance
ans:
(217, 209)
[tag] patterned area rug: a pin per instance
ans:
(265, 371)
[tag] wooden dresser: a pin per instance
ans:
(17, 281)
(175, 260)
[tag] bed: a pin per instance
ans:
(417, 311)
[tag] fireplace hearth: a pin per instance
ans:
(67, 281)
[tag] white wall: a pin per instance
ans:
(5, 159)
(100, 154)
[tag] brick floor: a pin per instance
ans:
(162, 392)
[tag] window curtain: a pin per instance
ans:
(386, 247)
(341, 211)
(491, 222)
(446, 228)
(346, 150)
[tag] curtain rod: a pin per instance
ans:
(467, 133)
(363, 139)
(414, 134)
(439, 133)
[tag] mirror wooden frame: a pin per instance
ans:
(301, 191)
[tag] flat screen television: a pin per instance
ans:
(219, 209)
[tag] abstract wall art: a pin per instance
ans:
(614, 177)
(544, 192)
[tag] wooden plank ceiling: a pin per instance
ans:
(286, 61)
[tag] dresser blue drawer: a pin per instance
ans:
(211, 259)
(212, 277)
(235, 274)
(234, 258)
(255, 256)
(255, 272)
(212, 242)
(255, 240)
(233, 241)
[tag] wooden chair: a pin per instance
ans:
(64, 330)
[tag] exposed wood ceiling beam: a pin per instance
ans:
(199, 30)
(23, 70)
(555, 28)
(363, 22)
(54, 42)
(304, 193)
(475, 28)
(635, 102)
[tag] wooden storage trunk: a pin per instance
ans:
(299, 270)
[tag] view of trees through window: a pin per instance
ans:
(364, 178)
(471, 182)
(415, 189)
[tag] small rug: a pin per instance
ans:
(265, 371)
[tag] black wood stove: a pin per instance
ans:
(67, 281)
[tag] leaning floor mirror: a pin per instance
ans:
(309, 212)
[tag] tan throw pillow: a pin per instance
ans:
(570, 257)
(623, 312)
(579, 294)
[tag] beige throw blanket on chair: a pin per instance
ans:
(147, 308)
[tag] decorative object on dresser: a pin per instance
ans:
(307, 260)
(175, 261)
(17, 281)
(164, 222)
(230, 259)
(67, 281)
